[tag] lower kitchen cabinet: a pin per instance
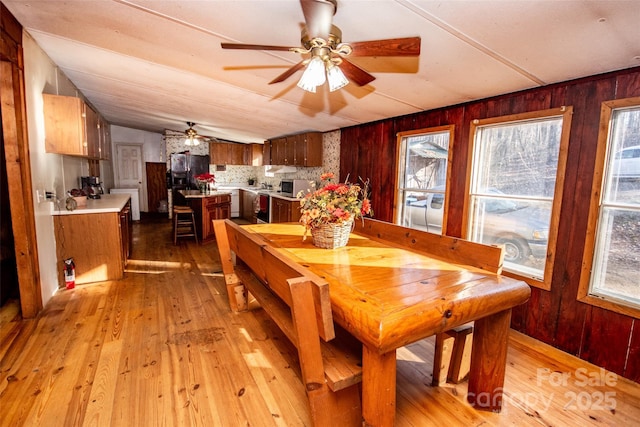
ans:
(99, 243)
(283, 210)
(248, 200)
(207, 209)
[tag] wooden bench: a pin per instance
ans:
(298, 302)
(453, 347)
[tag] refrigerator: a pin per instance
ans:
(184, 168)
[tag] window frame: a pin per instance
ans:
(606, 112)
(566, 112)
(397, 203)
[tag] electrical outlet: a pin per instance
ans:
(45, 196)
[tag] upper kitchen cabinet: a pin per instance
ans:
(105, 139)
(230, 153)
(266, 153)
(279, 151)
(308, 149)
(92, 132)
(253, 155)
(303, 149)
(71, 127)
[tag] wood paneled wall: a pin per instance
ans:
(600, 336)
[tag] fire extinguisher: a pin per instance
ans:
(69, 273)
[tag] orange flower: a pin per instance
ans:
(334, 203)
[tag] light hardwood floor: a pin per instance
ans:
(161, 348)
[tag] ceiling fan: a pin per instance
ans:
(327, 60)
(192, 137)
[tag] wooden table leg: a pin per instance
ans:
(488, 361)
(378, 387)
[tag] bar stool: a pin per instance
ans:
(184, 223)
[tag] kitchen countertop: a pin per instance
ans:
(258, 190)
(196, 194)
(282, 196)
(105, 204)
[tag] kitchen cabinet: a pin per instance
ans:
(303, 149)
(307, 150)
(218, 153)
(279, 151)
(236, 154)
(283, 210)
(266, 153)
(253, 155)
(207, 208)
(227, 153)
(125, 230)
(92, 132)
(104, 139)
(71, 126)
(248, 200)
(99, 243)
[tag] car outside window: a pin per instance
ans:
(610, 276)
(514, 188)
(422, 178)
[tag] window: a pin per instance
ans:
(610, 276)
(422, 178)
(514, 188)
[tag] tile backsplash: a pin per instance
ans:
(239, 175)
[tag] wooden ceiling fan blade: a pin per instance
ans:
(408, 46)
(318, 15)
(355, 73)
(256, 47)
(282, 77)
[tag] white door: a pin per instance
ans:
(129, 166)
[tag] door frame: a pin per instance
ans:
(16, 147)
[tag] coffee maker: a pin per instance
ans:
(91, 186)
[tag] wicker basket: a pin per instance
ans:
(331, 236)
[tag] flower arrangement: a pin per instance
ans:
(205, 177)
(335, 203)
(205, 181)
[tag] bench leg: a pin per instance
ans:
(340, 408)
(461, 357)
(442, 358)
(452, 355)
(237, 293)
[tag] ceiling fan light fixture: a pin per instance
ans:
(313, 76)
(192, 135)
(335, 77)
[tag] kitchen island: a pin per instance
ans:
(97, 236)
(206, 207)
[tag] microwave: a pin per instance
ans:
(291, 187)
(286, 187)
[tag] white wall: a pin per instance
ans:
(153, 150)
(49, 172)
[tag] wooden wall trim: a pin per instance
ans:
(16, 146)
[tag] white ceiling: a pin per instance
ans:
(154, 64)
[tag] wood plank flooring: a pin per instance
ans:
(161, 348)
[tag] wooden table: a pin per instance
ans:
(387, 297)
